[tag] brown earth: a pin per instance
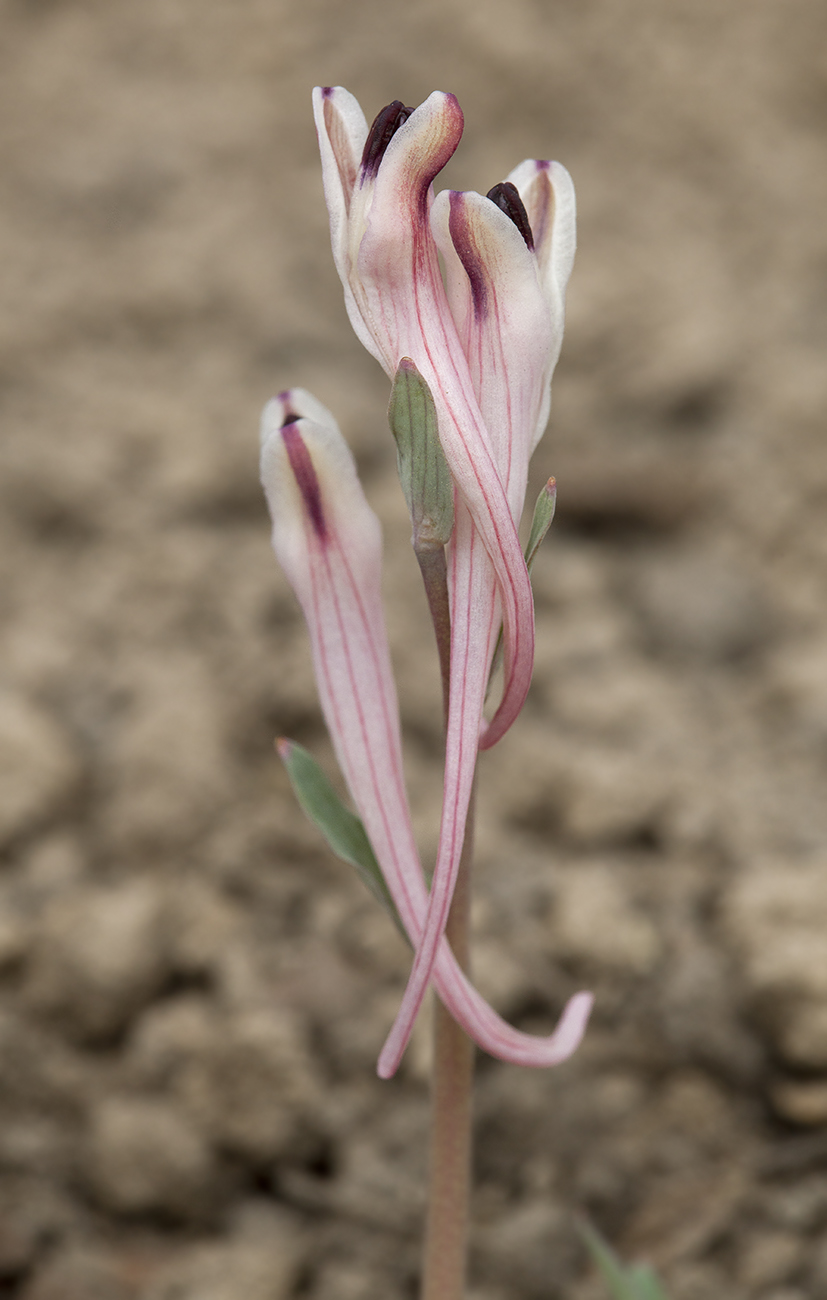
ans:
(192, 992)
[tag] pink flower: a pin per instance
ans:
(378, 191)
(486, 347)
(328, 541)
(506, 279)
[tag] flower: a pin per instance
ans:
(506, 289)
(485, 343)
(329, 544)
(378, 191)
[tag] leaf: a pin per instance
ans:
(645, 1281)
(637, 1282)
(342, 829)
(423, 469)
(541, 521)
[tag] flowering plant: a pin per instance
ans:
(471, 357)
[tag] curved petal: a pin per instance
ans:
(398, 304)
(506, 291)
(503, 321)
(328, 541)
(474, 628)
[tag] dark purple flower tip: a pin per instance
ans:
(507, 198)
(384, 128)
(305, 475)
(468, 254)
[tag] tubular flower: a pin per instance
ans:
(328, 542)
(378, 191)
(486, 343)
(506, 292)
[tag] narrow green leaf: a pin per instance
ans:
(541, 522)
(620, 1283)
(342, 829)
(645, 1283)
(423, 469)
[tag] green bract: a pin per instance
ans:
(541, 522)
(342, 829)
(423, 470)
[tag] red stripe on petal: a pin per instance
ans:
(306, 480)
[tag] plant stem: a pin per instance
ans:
(434, 572)
(446, 1232)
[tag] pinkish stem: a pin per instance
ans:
(446, 1233)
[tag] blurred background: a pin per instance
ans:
(192, 991)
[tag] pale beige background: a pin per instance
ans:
(192, 993)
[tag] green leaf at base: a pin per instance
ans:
(637, 1282)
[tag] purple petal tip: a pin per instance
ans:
(507, 198)
(468, 254)
(385, 126)
(306, 480)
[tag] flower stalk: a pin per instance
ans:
(452, 1081)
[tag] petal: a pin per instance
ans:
(507, 299)
(471, 649)
(337, 581)
(505, 327)
(294, 404)
(547, 191)
(473, 632)
(397, 268)
(503, 322)
(342, 131)
(494, 1035)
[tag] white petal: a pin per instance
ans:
(504, 324)
(342, 131)
(547, 192)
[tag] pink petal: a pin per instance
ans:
(506, 329)
(329, 544)
(503, 322)
(547, 191)
(472, 643)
